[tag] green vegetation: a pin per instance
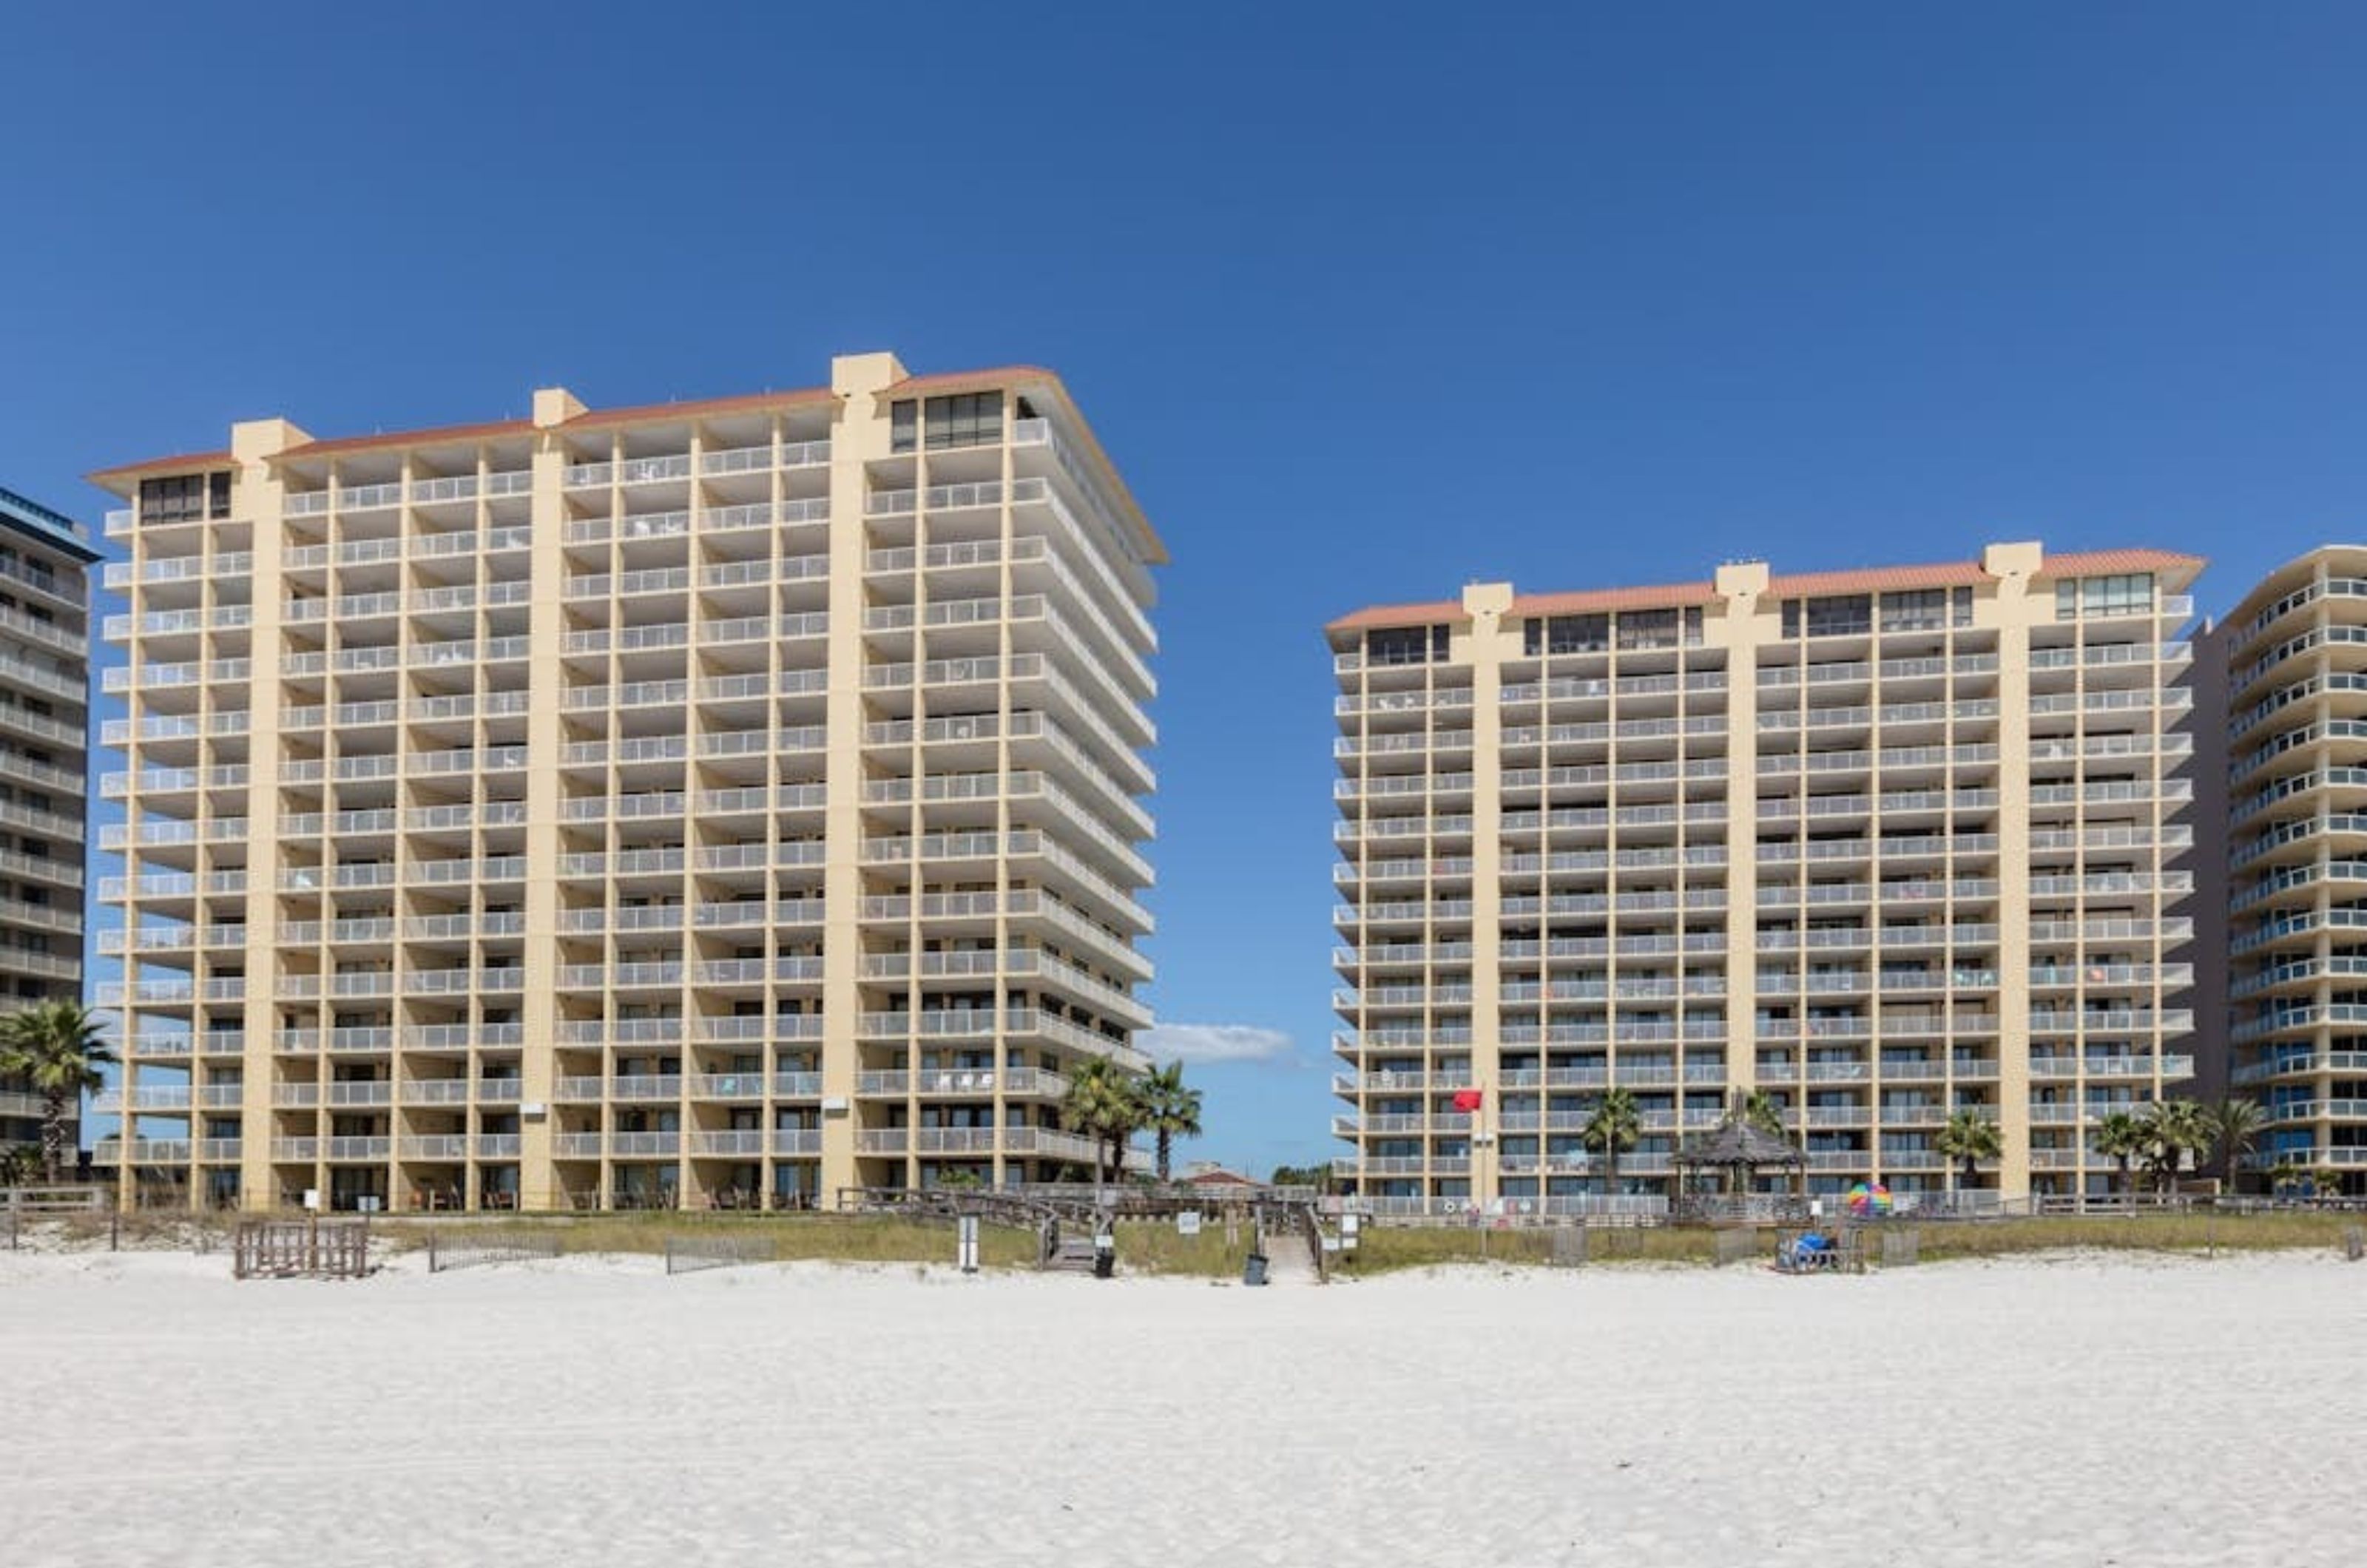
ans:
(2172, 1129)
(1170, 1110)
(1613, 1125)
(791, 1238)
(20, 1166)
(1316, 1176)
(1154, 1246)
(2235, 1124)
(1971, 1137)
(1385, 1249)
(1106, 1104)
(2194, 1230)
(1761, 1110)
(56, 1049)
(1144, 1246)
(2119, 1137)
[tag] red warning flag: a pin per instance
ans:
(1466, 1099)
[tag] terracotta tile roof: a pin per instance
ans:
(2181, 568)
(2177, 567)
(1877, 578)
(958, 381)
(412, 437)
(703, 407)
(1399, 615)
(184, 460)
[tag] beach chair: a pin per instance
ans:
(1809, 1252)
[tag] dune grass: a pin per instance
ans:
(2198, 1231)
(2201, 1231)
(1156, 1248)
(782, 1239)
(1383, 1249)
(1144, 1246)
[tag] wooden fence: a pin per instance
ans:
(288, 1249)
(689, 1254)
(471, 1247)
(22, 1203)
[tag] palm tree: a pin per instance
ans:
(1971, 1137)
(2119, 1137)
(1170, 1110)
(2171, 1128)
(56, 1048)
(1613, 1125)
(1761, 1110)
(20, 1166)
(2234, 1122)
(1104, 1104)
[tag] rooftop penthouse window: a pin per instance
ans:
(185, 498)
(1927, 609)
(1630, 630)
(1848, 614)
(1566, 633)
(2130, 593)
(972, 419)
(1639, 629)
(1406, 644)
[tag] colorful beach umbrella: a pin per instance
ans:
(1869, 1198)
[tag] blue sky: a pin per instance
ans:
(1366, 300)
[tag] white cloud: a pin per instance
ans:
(1202, 1042)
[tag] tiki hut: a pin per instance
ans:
(1737, 1151)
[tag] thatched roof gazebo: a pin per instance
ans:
(1737, 1151)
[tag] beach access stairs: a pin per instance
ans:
(1290, 1259)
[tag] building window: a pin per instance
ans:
(1566, 633)
(185, 498)
(1406, 644)
(1850, 614)
(2128, 593)
(1922, 610)
(973, 419)
(1648, 629)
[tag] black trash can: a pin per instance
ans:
(1253, 1270)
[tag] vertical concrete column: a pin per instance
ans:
(258, 496)
(545, 737)
(1738, 626)
(2014, 607)
(1485, 642)
(859, 435)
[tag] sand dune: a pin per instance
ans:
(2069, 1411)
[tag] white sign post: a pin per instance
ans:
(965, 1242)
(1188, 1223)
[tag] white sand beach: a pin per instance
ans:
(2052, 1411)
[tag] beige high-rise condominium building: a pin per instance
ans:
(44, 723)
(706, 802)
(2296, 940)
(1880, 845)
